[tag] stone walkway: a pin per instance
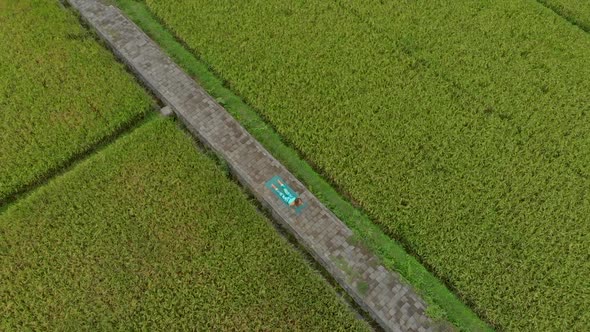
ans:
(378, 291)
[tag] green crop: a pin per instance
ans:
(460, 127)
(575, 11)
(149, 234)
(61, 92)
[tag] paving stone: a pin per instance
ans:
(166, 111)
(393, 305)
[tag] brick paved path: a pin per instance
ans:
(378, 291)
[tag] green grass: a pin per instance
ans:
(150, 234)
(61, 93)
(575, 11)
(443, 304)
(460, 128)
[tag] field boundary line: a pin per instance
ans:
(380, 292)
(76, 158)
(566, 16)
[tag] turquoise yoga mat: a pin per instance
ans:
(285, 193)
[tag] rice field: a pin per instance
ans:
(460, 127)
(575, 11)
(150, 234)
(61, 92)
(112, 219)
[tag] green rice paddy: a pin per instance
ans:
(149, 234)
(61, 93)
(459, 127)
(575, 11)
(112, 219)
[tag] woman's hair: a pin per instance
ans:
(298, 202)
